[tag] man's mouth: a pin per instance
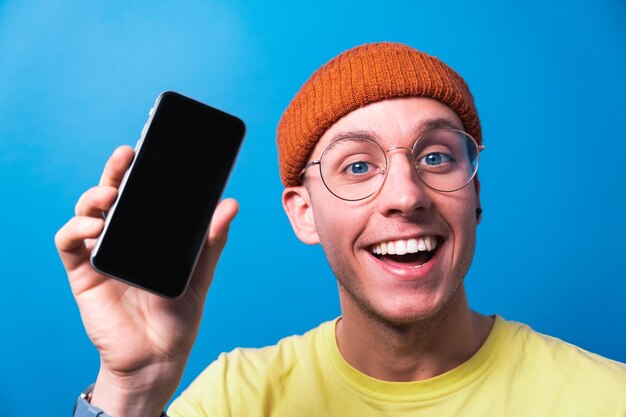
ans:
(407, 252)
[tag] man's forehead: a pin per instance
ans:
(382, 121)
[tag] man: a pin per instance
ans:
(378, 154)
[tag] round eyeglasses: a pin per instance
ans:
(355, 168)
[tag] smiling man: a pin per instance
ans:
(379, 153)
(395, 211)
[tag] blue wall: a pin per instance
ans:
(77, 79)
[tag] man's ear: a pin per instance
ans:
(297, 205)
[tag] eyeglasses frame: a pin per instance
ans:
(317, 162)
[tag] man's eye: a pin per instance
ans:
(359, 167)
(434, 159)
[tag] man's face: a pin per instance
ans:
(396, 288)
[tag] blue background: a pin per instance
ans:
(77, 79)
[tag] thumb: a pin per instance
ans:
(224, 214)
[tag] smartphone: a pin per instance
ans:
(156, 228)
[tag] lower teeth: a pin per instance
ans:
(418, 258)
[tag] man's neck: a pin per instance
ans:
(412, 352)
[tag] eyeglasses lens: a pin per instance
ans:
(445, 159)
(353, 168)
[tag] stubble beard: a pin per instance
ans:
(351, 291)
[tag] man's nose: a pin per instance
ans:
(403, 192)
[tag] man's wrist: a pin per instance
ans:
(135, 395)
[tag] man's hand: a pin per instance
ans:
(144, 340)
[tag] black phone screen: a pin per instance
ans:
(158, 224)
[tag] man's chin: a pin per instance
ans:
(422, 318)
(410, 312)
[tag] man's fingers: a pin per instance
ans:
(116, 166)
(95, 201)
(70, 240)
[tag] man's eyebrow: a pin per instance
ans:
(431, 124)
(419, 130)
(356, 134)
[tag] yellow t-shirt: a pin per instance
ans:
(517, 372)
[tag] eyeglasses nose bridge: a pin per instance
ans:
(397, 148)
(410, 156)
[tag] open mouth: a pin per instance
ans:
(411, 253)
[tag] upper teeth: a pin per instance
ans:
(402, 247)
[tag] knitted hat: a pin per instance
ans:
(360, 76)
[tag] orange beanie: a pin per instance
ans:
(358, 77)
